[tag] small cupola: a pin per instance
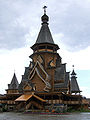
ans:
(45, 18)
(74, 84)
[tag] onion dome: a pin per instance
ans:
(44, 19)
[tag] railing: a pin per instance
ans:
(10, 102)
(62, 102)
(71, 102)
(3, 101)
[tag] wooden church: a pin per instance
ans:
(45, 84)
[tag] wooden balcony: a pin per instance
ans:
(71, 102)
(63, 102)
(7, 102)
(3, 101)
(10, 102)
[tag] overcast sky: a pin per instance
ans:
(20, 22)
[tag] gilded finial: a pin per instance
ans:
(44, 9)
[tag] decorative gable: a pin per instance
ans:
(27, 87)
(41, 73)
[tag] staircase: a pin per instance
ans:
(35, 104)
(20, 106)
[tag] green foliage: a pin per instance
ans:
(81, 109)
(70, 109)
(4, 108)
(84, 110)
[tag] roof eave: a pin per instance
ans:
(37, 44)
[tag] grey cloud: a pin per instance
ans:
(15, 22)
(74, 23)
(10, 36)
(72, 18)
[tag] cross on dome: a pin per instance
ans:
(44, 9)
(73, 66)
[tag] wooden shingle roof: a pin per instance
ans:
(44, 35)
(14, 83)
